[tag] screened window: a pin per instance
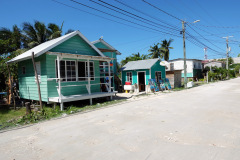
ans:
(83, 71)
(67, 70)
(129, 77)
(158, 76)
(23, 70)
(70, 69)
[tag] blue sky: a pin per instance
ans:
(218, 18)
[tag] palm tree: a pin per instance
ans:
(155, 51)
(165, 46)
(10, 40)
(54, 31)
(38, 32)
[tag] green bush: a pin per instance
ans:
(232, 74)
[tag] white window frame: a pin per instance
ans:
(157, 75)
(76, 70)
(86, 71)
(129, 78)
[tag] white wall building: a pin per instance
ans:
(194, 67)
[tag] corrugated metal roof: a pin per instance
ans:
(46, 46)
(141, 64)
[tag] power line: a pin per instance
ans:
(220, 26)
(122, 18)
(161, 10)
(102, 16)
(137, 15)
(203, 45)
(204, 37)
(132, 14)
(124, 4)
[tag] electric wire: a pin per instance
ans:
(133, 15)
(122, 18)
(102, 17)
(145, 14)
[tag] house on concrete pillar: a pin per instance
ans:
(138, 73)
(67, 68)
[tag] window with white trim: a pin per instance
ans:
(129, 77)
(69, 70)
(158, 75)
(83, 71)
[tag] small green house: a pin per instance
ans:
(138, 73)
(68, 69)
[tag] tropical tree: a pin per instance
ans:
(155, 51)
(164, 50)
(37, 33)
(69, 31)
(134, 57)
(10, 40)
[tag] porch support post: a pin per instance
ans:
(89, 86)
(90, 101)
(109, 74)
(38, 85)
(59, 83)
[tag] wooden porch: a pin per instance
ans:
(81, 97)
(89, 95)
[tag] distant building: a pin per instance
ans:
(214, 64)
(174, 75)
(236, 60)
(194, 67)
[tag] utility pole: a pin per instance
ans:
(184, 51)
(227, 53)
(184, 55)
(205, 53)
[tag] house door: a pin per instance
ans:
(141, 81)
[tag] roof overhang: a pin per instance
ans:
(77, 56)
(45, 47)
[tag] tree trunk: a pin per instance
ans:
(11, 89)
(28, 108)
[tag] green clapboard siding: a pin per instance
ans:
(101, 45)
(75, 45)
(74, 90)
(197, 73)
(188, 75)
(157, 67)
(108, 54)
(27, 85)
(135, 76)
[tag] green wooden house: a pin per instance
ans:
(68, 69)
(138, 73)
(108, 51)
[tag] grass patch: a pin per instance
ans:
(11, 118)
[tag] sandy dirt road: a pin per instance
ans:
(201, 123)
